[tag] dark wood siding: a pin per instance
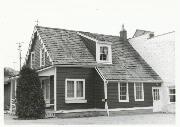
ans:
(113, 100)
(91, 45)
(93, 88)
(36, 48)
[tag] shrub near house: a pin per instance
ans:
(30, 102)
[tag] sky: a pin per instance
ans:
(17, 19)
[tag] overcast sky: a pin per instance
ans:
(17, 19)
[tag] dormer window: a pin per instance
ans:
(104, 53)
(42, 57)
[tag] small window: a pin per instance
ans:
(123, 92)
(104, 53)
(172, 95)
(138, 91)
(75, 89)
(32, 59)
(42, 57)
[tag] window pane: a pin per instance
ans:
(103, 53)
(70, 88)
(139, 91)
(172, 98)
(123, 91)
(79, 88)
(47, 91)
(172, 91)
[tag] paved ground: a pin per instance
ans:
(121, 119)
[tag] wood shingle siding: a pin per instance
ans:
(91, 45)
(113, 100)
(94, 91)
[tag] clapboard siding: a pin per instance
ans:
(113, 100)
(36, 46)
(75, 73)
(99, 91)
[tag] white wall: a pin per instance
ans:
(159, 53)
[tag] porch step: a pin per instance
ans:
(50, 114)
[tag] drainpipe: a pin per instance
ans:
(105, 95)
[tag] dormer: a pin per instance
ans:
(101, 50)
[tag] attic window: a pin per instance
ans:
(103, 53)
(32, 59)
(42, 57)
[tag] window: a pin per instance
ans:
(104, 53)
(42, 57)
(123, 92)
(32, 59)
(138, 92)
(172, 95)
(46, 90)
(75, 91)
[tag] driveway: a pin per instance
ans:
(121, 119)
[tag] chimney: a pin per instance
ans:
(123, 33)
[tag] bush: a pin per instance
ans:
(30, 101)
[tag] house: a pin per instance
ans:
(159, 52)
(83, 71)
(8, 72)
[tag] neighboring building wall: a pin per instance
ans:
(159, 53)
(93, 88)
(7, 90)
(113, 99)
(36, 48)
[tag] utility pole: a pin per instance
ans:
(19, 48)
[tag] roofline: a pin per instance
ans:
(100, 74)
(92, 39)
(41, 41)
(153, 36)
(43, 69)
(148, 81)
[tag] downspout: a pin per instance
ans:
(105, 95)
(105, 91)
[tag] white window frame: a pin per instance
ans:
(75, 99)
(47, 101)
(41, 65)
(32, 60)
(127, 92)
(142, 84)
(109, 56)
(172, 95)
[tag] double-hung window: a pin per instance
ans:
(138, 91)
(104, 53)
(172, 95)
(75, 91)
(123, 92)
(42, 57)
(32, 59)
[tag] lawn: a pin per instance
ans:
(121, 119)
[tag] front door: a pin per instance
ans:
(156, 99)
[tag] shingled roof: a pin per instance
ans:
(67, 47)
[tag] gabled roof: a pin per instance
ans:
(140, 32)
(67, 47)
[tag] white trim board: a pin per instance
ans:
(95, 109)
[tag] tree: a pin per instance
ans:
(29, 95)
